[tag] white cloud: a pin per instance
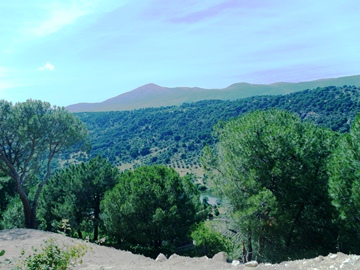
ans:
(47, 66)
(59, 14)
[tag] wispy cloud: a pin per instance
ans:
(47, 66)
(206, 12)
(56, 16)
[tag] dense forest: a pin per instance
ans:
(176, 135)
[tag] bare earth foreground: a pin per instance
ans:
(100, 257)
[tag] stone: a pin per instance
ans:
(319, 259)
(161, 258)
(332, 256)
(252, 264)
(221, 257)
(173, 256)
(235, 263)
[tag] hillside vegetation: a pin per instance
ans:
(176, 135)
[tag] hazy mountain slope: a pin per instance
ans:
(152, 95)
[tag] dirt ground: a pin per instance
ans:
(100, 257)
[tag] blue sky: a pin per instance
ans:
(67, 52)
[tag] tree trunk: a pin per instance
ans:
(29, 210)
(96, 218)
(249, 247)
(29, 213)
(292, 227)
(260, 247)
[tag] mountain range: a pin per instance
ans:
(155, 96)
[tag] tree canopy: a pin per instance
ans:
(152, 208)
(75, 194)
(271, 167)
(32, 133)
(344, 187)
(176, 135)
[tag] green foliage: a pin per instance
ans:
(271, 168)
(6, 261)
(64, 227)
(120, 136)
(344, 187)
(208, 241)
(32, 133)
(151, 208)
(75, 194)
(52, 255)
(13, 216)
(7, 193)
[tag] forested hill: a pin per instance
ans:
(176, 135)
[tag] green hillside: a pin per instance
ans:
(175, 135)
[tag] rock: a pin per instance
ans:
(332, 256)
(161, 258)
(220, 257)
(235, 263)
(319, 259)
(252, 264)
(173, 256)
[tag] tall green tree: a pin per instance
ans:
(150, 207)
(270, 166)
(32, 133)
(344, 187)
(75, 194)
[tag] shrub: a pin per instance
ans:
(52, 255)
(208, 241)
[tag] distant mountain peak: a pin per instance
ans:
(149, 87)
(153, 95)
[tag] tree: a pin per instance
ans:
(270, 166)
(208, 241)
(151, 207)
(344, 187)
(75, 194)
(32, 133)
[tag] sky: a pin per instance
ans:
(72, 51)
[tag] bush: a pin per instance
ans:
(52, 256)
(208, 241)
(13, 216)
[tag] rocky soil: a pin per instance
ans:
(100, 257)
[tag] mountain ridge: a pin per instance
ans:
(153, 95)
